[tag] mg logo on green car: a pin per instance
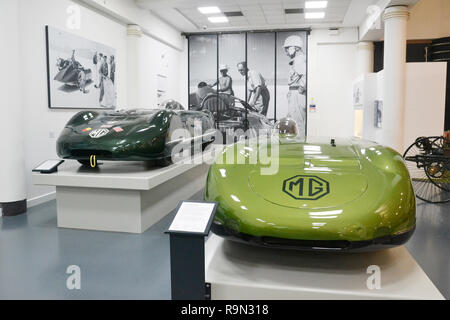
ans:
(306, 187)
(98, 133)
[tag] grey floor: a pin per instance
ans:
(34, 256)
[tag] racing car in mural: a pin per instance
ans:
(133, 135)
(232, 114)
(72, 73)
(326, 194)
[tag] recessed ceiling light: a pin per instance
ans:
(209, 10)
(314, 15)
(218, 19)
(316, 4)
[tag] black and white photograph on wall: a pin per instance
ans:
(264, 73)
(81, 72)
(292, 77)
(378, 114)
(161, 89)
(358, 94)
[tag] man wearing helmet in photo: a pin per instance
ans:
(286, 128)
(297, 81)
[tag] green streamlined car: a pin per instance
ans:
(132, 135)
(332, 195)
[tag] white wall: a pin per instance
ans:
(12, 175)
(371, 86)
(128, 12)
(183, 77)
(425, 100)
(158, 58)
(373, 90)
(43, 125)
(332, 69)
(424, 107)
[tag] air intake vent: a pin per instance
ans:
(294, 11)
(233, 14)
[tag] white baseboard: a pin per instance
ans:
(41, 199)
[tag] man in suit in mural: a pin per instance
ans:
(258, 94)
(297, 82)
(104, 72)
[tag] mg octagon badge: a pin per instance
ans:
(306, 187)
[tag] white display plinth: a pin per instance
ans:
(242, 272)
(121, 196)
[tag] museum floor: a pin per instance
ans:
(34, 256)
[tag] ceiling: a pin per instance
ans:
(257, 14)
(263, 12)
(184, 15)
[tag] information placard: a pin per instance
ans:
(48, 166)
(193, 217)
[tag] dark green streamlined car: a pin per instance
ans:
(132, 135)
(327, 194)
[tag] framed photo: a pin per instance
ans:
(162, 87)
(81, 73)
(358, 94)
(378, 114)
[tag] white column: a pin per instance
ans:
(396, 23)
(12, 154)
(365, 57)
(134, 57)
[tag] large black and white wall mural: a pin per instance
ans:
(268, 70)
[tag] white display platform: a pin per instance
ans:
(121, 196)
(241, 272)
